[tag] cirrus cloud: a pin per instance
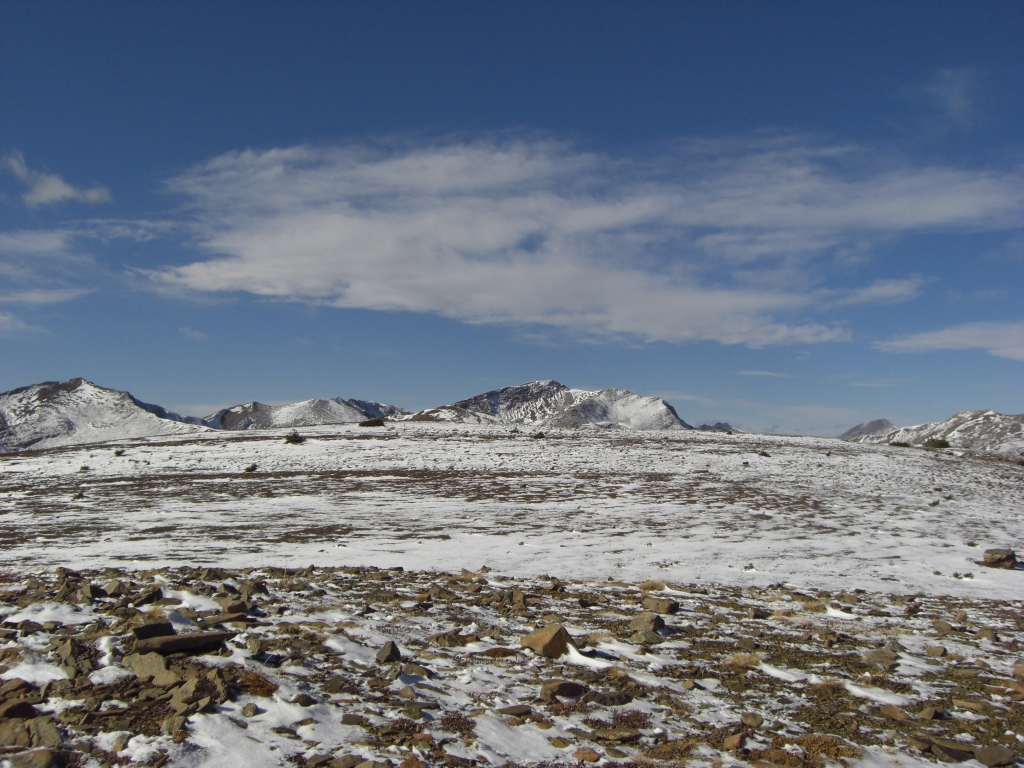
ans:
(999, 339)
(49, 188)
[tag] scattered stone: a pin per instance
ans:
(935, 651)
(153, 629)
(647, 622)
(37, 758)
(517, 710)
(883, 657)
(994, 755)
(566, 689)
(389, 653)
(250, 710)
(752, 719)
(734, 742)
(149, 597)
(151, 665)
(18, 709)
(999, 558)
(661, 605)
(895, 713)
(195, 641)
(551, 641)
(587, 755)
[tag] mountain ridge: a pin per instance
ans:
(984, 432)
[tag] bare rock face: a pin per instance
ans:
(551, 641)
(1000, 558)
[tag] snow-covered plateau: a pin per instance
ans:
(682, 505)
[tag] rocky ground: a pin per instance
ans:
(353, 666)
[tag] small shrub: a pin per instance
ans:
(254, 683)
(566, 708)
(898, 444)
(456, 722)
(830, 686)
(119, 452)
(294, 438)
(631, 718)
(936, 443)
(652, 585)
(404, 725)
(378, 422)
(250, 468)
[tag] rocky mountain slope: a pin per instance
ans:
(554, 405)
(76, 411)
(307, 413)
(868, 429)
(982, 432)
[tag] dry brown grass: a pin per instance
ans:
(829, 686)
(744, 660)
(818, 751)
(652, 585)
(255, 683)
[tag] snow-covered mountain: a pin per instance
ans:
(308, 413)
(76, 411)
(551, 404)
(868, 429)
(984, 432)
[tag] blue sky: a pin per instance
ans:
(791, 216)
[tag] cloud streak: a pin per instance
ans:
(49, 188)
(718, 241)
(998, 339)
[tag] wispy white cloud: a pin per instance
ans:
(721, 241)
(885, 292)
(43, 295)
(999, 339)
(191, 333)
(772, 374)
(49, 188)
(954, 93)
(10, 325)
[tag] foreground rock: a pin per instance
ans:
(366, 667)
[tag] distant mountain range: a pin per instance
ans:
(73, 412)
(982, 432)
(554, 405)
(308, 413)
